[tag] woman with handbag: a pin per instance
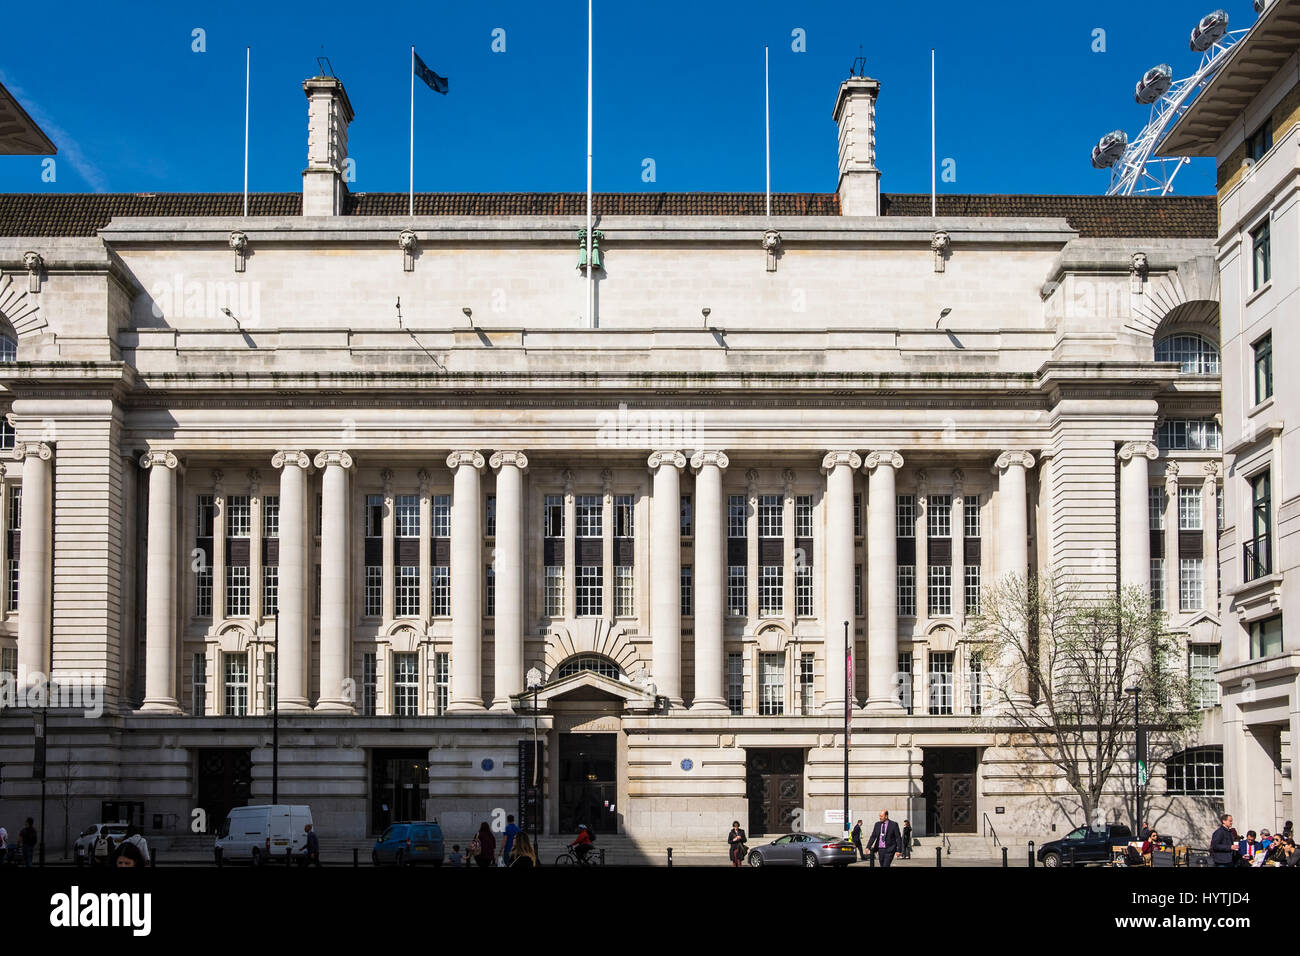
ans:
(736, 843)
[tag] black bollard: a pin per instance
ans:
(354, 858)
(1031, 854)
(1004, 858)
(670, 856)
(288, 856)
(938, 857)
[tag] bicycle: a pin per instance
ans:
(570, 857)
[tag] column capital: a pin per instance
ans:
(510, 457)
(877, 458)
(1009, 458)
(833, 459)
(1171, 477)
(1138, 449)
(465, 456)
(787, 481)
(702, 458)
(423, 480)
(674, 458)
(338, 457)
(607, 482)
(294, 457)
(1212, 471)
(150, 458)
(958, 479)
(567, 478)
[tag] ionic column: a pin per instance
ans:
(336, 694)
(291, 623)
(839, 468)
(1013, 546)
(882, 582)
(160, 584)
(466, 583)
(1135, 514)
(508, 563)
(1210, 522)
(710, 582)
(666, 574)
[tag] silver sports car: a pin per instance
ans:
(804, 849)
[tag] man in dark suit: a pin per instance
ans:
(1223, 844)
(885, 839)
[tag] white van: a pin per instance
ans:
(260, 834)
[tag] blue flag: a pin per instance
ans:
(435, 82)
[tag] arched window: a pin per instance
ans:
(1196, 772)
(1196, 355)
(589, 662)
(8, 348)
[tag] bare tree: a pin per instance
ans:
(1061, 662)
(65, 777)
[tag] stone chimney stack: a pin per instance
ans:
(855, 112)
(328, 116)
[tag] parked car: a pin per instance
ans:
(1084, 845)
(407, 844)
(84, 848)
(262, 833)
(804, 849)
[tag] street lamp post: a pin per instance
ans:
(534, 680)
(275, 713)
(848, 719)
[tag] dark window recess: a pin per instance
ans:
(237, 551)
(1157, 544)
(407, 552)
(805, 545)
(971, 548)
(771, 551)
(590, 552)
(624, 552)
(737, 551)
(203, 544)
(441, 556)
(939, 551)
(374, 551)
(552, 552)
(907, 551)
(271, 552)
(1190, 545)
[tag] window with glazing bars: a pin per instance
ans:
(1191, 584)
(623, 591)
(442, 516)
(407, 591)
(239, 516)
(940, 696)
(202, 589)
(857, 516)
(771, 515)
(1261, 256)
(1195, 355)
(687, 517)
(588, 512)
(1203, 661)
(374, 590)
(269, 677)
(236, 684)
(589, 592)
(771, 590)
(688, 597)
(939, 516)
(1156, 509)
(973, 584)
(489, 592)
(1157, 584)
(270, 590)
(553, 516)
(441, 590)
(906, 590)
(1189, 434)
(939, 592)
(737, 591)
(803, 516)
(198, 685)
(406, 510)
(624, 513)
(406, 685)
(905, 681)
(803, 591)
(374, 516)
(1189, 508)
(1264, 368)
(489, 517)
(369, 684)
(736, 514)
(735, 682)
(441, 681)
(554, 590)
(771, 684)
(238, 592)
(970, 513)
(271, 516)
(905, 517)
(976, 683)
(807, 683)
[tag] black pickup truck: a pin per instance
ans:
(1084, 845)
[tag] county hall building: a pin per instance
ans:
(396, 448)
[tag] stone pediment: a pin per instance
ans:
(588, 685)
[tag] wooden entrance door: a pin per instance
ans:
(225, 781)
(950, 789)
(774, 786)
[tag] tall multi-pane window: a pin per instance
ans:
(198, 685)
(940, 696)
(1189, 508)
(369, 684)
(589, 591)
(771, 590)
(406, 685)
(489, 592)
(489, 517)
(374, 590)
(736, 514)
(1264, 368)
(1157, 584)
(735, 682)
(907, 590)
(971, 516)
(1260, 141)
(406, 512)
(374, 549)
(905, 517)
(271, 685)
(687, 525)
(803, 516)
(1156, 509)
(16, 524)
(857, 515)
(270, 590)
(857, 590)
(688, 591)
(807, 682)
(771, 514)
(1195, 355)
(803, 593)
(441, 510)
(407, 593)
(1257, 552)
(905, 681)
(553, 516)
(976, 676)
(973, 583)
(238, 591)
(441, 682)
(905, 530)
(1261, 256)
(553, 554)
(239, 516)
(554, 590)
(938, 516)
(271, 516)
(442, 590)
(236, 684)
(771, 684)
(623, 591)
(1191, 584)
(624, 511)
(1202, 662)
(939, 590)
(588, 510)
(737, 591)
(1266, 637)
(202, 589)
(374, 516)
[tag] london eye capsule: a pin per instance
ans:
(1154, 84)
(1209, 31)
(1109, 149)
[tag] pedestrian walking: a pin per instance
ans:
(885, 840)
(857, 840)
(135, 837)
(310, 855)
(128, 854)
(456, 858)
(907, 839)
(487, 846)
(522, 854)
(1223, 844)
(4, 846)
(512, 830)
(27, 838)
(736, 843)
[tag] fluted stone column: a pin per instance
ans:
(160, 585)
(882, 582)
(710, 583)
(1013, 544)
(839, 468)
(666, 574)
(466, 583)
(508, 563)
(1135, 514)
(337, 682)
(34, 566)
(291, 662)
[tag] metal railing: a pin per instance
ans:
(989, 831)
(943, 837)
(1256, 558)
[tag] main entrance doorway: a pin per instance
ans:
(949, 774)
(774, 787)
(588, 782)
(399, 784)
(225, 781)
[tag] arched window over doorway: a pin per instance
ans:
(596, 663)
(1195, 354)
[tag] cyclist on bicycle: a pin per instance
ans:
(582, 845)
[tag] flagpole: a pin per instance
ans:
(767, 133)
(591, 271)
(411, 193)
(248, 62)
(933, 197)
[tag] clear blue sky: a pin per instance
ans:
(1022, 95)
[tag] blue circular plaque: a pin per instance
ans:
(487, 764)
(688, 764)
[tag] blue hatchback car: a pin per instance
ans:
(408, 844)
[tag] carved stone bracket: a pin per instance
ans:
(940, 243)
(407, 241)
(239, 243)
(772, 246)
(34, 263)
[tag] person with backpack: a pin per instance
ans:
(103, 852)
(736, 843)
(28, 838)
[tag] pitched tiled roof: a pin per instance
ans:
(35, 214)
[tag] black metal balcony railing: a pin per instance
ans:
(1256, 558)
